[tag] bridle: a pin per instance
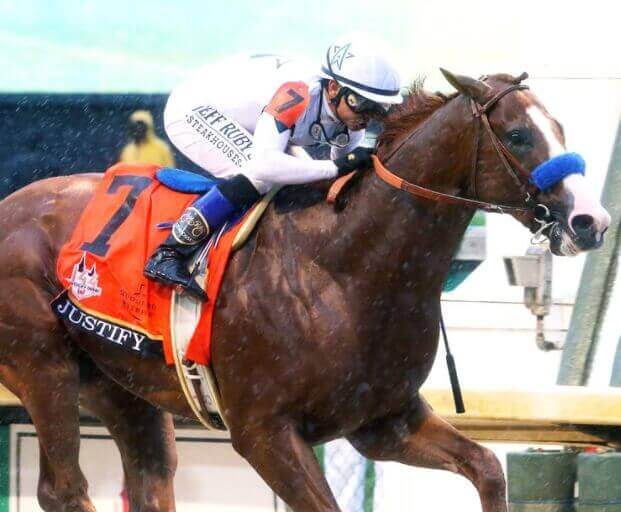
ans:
(517, 172)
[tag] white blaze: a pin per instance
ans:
(585, 203)
(544, 125)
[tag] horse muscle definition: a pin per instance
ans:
(327, 324)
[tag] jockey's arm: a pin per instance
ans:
(271, 164)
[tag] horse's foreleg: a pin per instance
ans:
(47, 385)
(145, 437)
(424, 439)
(287, 463)
(45, 487)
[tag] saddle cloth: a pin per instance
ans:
(105, 293)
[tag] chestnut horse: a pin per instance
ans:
(327, 323)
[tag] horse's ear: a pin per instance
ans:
(519, 79)
(471, 87)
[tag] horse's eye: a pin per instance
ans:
(519, 137)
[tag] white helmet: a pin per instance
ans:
(357, 62)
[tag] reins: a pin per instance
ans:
(508, 160)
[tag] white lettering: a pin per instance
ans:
(139, 339)
(106, 330)
(89, 323)
(73, 310)
(124, 335)
(111, 336)
(100, 332)
(62, 309)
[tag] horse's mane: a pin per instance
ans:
(417, 106)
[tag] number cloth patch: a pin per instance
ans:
(289, 103)
(100, 267)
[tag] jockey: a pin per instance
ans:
(238, 118)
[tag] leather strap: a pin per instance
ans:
(511, 164)
(416, 190)
(337, 187)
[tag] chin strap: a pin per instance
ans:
(334, 102)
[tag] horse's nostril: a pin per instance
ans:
(582, 223)
(542, 213)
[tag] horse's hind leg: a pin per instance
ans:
(46, 380)
(424, 439)
(145, 437)
(287, 463)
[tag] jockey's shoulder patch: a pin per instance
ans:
(289, 103)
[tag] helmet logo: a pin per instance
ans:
(340, 54)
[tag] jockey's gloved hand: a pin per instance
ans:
(357, 159)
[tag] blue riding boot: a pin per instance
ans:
(169, 262)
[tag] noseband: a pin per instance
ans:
(517, 172)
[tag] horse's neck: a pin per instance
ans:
(386, 239)
(387, 230)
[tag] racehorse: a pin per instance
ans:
(327, 323)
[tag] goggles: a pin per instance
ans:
(361, 105)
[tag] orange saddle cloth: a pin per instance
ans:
(106, 293)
